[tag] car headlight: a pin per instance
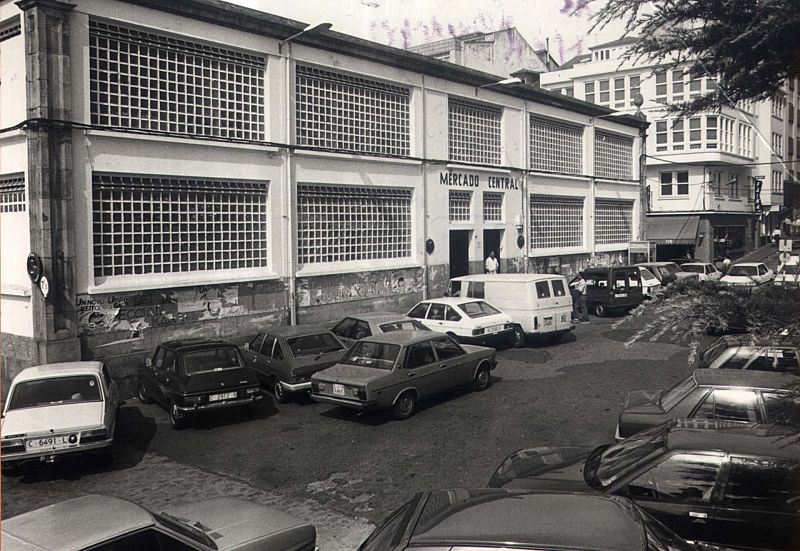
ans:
(94, 435)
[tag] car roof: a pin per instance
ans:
(745, 378)
(452, 300)
(736, 438)
(403, 337)
(181, 345)
(665, 263)
(547, 520)
(507, 277)
(748, 264)
(296, 330)
(73, 524)
(696, 264)
(63, 369)
(602, 269)
(378, 317)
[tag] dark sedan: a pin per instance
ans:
(356, 327)
(285, 357)
(711, 482)
(504, 519)
(192, 376)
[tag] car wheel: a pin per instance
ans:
(281, 396)
(144, 397)
(175, 418)
(600, 310)
(483, 378)
(518, 337)
(405, 406)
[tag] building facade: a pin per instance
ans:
(178, 171)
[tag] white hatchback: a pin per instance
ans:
(788, 273)
(58, 409)
(466, 319)
(748, 274)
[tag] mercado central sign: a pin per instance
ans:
(474, 180)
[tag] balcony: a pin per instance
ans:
(726, 203)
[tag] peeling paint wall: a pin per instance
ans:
(570, 265)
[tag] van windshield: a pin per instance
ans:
(478, 309)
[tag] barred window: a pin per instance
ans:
(556, 146)
(556, 221)
(339, 111)
(346, 223)
(613, 156)
(12, 193)
(10, 28)
(613, 221)
(492, 206)
(474, 132)
(151, 224)
(151, 82)
(460, 206)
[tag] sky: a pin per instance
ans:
(402, 23)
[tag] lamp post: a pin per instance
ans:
(638, 101)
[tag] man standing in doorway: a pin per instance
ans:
(491, 264)
(580, 290)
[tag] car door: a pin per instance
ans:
(452, 319)
(679, 489)
(111, 396)
(435, 317)
(147, 375)
(259, 354)
(562, 305)
(737, 405)
(454, 363)
(546, 310)
(165, 372)
(421, 368)
(419, 312)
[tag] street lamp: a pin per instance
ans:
(505, 81)
(644, 200)
(309, 29)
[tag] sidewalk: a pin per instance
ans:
(768, 254)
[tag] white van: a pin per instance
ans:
(539, 303)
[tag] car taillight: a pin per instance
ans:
(362, 393)
(13, 445)
(320, 386)
(93, 435)
(192, 400)
(251, 390)
(478, 331)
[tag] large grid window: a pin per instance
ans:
(460, 206)
(613, 221)
(345, 223)
(150, 224)
(339, 111)
(12, 193)
(556, 221)
(474, 132)
(613, 156)
(556, 146)
(151, 82)
(492, 206)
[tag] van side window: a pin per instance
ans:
(476, 290)
(558, 287)
(542, 289)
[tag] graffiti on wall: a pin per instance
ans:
(347, 287)
(571, 265)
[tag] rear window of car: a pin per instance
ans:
(694, 268)
(372, 354)
(55, 391)
(478, 309)
(647, 275)
(212, 359)
(670, 397)
(311, 345)
(404, 325)
(742, 271)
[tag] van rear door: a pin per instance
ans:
(546, 310)
(562, 304)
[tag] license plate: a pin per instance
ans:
(49, 442)
(221, 396)
(338, 390)
(494, 328)
(621, 295)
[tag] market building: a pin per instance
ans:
(182, 169)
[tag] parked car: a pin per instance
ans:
(667, 272)
(193, 376)
(353, 328)
(788, 274)
(612, 288)
(105, 523)
(504, 519)
(712, 482)
(650, 283)
(743, 352)
(466, 319)
(540, 304)
(738, 396)
(57, 409)
(396, 370)
(748, 274)
(705, 270)
(285, 357)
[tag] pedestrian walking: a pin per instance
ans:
(776, 235)
(576, 297)
(583, 310)
(726, 264)
(491, 263)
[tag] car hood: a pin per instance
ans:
(350, 374)
(53, 418)
(238, 524)
(494, 319)
(642, 401)
(543, 468)
(213, 381)
(687, 275)
(738, 279)
(312, 364)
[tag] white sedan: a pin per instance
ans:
(748, 274)
(788, 274)
(705, 270)
(466, 319)
(58, 409)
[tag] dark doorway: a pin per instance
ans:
(459, 253)
(491, 242)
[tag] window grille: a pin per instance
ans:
(151, 82)
(556, 146)
(12, 193)
(613, 221)
(556, 221)
(613, 156)
(10, 28)
(151, 224)
(492, 206)
(474, 131)
(346, 223)
(339, 111)
(460, 206)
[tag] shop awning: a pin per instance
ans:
(669, 230)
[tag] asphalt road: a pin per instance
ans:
(345, 471)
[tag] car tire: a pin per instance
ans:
(483, 378)
(175, 420)
(600, 310)
(144, 397)
(518, 337)
(405, 406)
(281, 396)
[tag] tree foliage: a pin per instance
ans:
(751, 46)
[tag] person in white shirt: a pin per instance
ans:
(491, 264)
(580, 290)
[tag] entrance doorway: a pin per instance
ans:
(491, 242)
(459, 252)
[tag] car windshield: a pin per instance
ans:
(212, 359)
(694, 268)
(605, 464)
(478, 309)
(55, 391)
(187, 528)
(673, 395)
(742, 271)
(403, 325)
(372, 354)
(790, 269)
(312, 345)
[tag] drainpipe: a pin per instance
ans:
(526, 160)
(425, 237)
(289, 216)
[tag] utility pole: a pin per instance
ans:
(644, 202)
